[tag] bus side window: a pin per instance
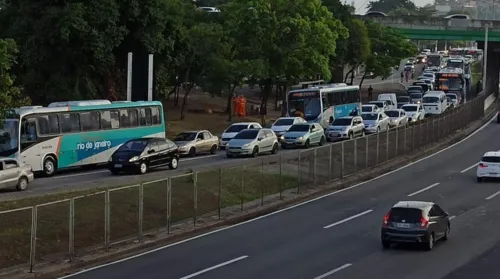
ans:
(357, 98)
(90, 121)
(124, 120)
(70, 122)
(48, 124)
(337, 98)
(344, 97)
(28, 131)
(330, 97)
(145, 117)
(133, 118)
(155, 115)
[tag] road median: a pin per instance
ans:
(115, 223)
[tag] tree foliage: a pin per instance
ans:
(78, 49)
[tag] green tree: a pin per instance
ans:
(359, 46)
(10, 95)
(386, 6)
(388, 48)
(292, 39)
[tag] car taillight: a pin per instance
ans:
(386, 218)
(481, 165)
(424, 222)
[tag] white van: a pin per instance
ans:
(391, 99)
(434, 102)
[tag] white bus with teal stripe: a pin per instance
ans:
(323, 104)
(78, 133)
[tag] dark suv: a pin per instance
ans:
(140, 155)
(415, 222)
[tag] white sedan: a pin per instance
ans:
(489, 167)
(397, 117)
(414, 112)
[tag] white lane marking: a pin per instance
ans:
(214, 267)
(423, 190)
(333, 271)
(284, 209)
(79, 174)
(452, 217)
(492, 196)
(348, 219)
(103, 171)
(469, 168)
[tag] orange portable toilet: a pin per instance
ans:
(243, 106)
(235, 105)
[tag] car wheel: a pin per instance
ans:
(22, 184)
(479, 179)
(114, 172)
(307, 144)
(255, 152)
(213, 149)
(174, 163)
(192, 152)
(350, 135)
(386, 244)
(378, 129)
(430, 244)
(363, 133)
(447, 232)
(49, 166)
(275, 149)
(322, 141)
(143, 168)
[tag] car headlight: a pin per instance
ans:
(281, 137)
(183, 148)
(134, 159)
(300, 138)
(246, 145)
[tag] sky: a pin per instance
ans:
(361, 4)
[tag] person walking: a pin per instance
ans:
(370, 93)
(402, 76)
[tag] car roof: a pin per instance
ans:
(422, 205)
(399, 110)
(368, 105)
(244, 123)
(194, 131)
(492, 154)
(346, 117)
(413, 105)
(289, 117)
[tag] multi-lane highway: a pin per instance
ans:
(338, 236)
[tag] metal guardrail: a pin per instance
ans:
(68, 227)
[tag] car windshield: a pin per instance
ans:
(236, 128)
(9, 136)
(342, 122)
(415, 88)
(409, 215)
(403, 99)
(430, 100)
(366, 109)
(452, 96)
(283, 122)
(416, 95)
(134, 145)
(247, 134)
(185, 137)
(408, 65)
(392, 113)
(428, 76)
(379, 104)
(409, 108)
(299, 128)
(370, 116)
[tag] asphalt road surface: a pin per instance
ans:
(338, 236)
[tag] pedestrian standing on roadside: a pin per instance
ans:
(402, 76)
(370, 93)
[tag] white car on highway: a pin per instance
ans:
(282, 125)
(414, 112)
(233, 130)
(375, 122)
(397, 117)
(489, 166)
(346, 127)
(369, 108)
(382, 105)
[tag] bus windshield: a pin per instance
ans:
(450, 84)
(9, 136)
(434, 60)
(455, 64)
(307, 106)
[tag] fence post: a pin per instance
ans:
(366, 151)
(298, 172)
(342, 161)
(107, 219)
(169, 204)
(242, 184)
(330, 163)
(378, 147)
(397, 141)
(405, 140)
(34, 224)
(71, 229)
(281, 177)
(387, 145)
(195, 197)
(140, 212)
(219, 196)
(355, 155)
(262, 183)
(315, 161)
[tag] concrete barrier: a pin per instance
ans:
(489, 101)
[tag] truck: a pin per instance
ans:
(434, 60)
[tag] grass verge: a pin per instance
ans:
(222, 188)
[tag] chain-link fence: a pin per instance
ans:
(100, 220)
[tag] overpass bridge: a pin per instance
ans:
(452, 29)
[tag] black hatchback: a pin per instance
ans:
(140, 155)
(415, 222)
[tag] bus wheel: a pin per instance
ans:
(49, 166)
